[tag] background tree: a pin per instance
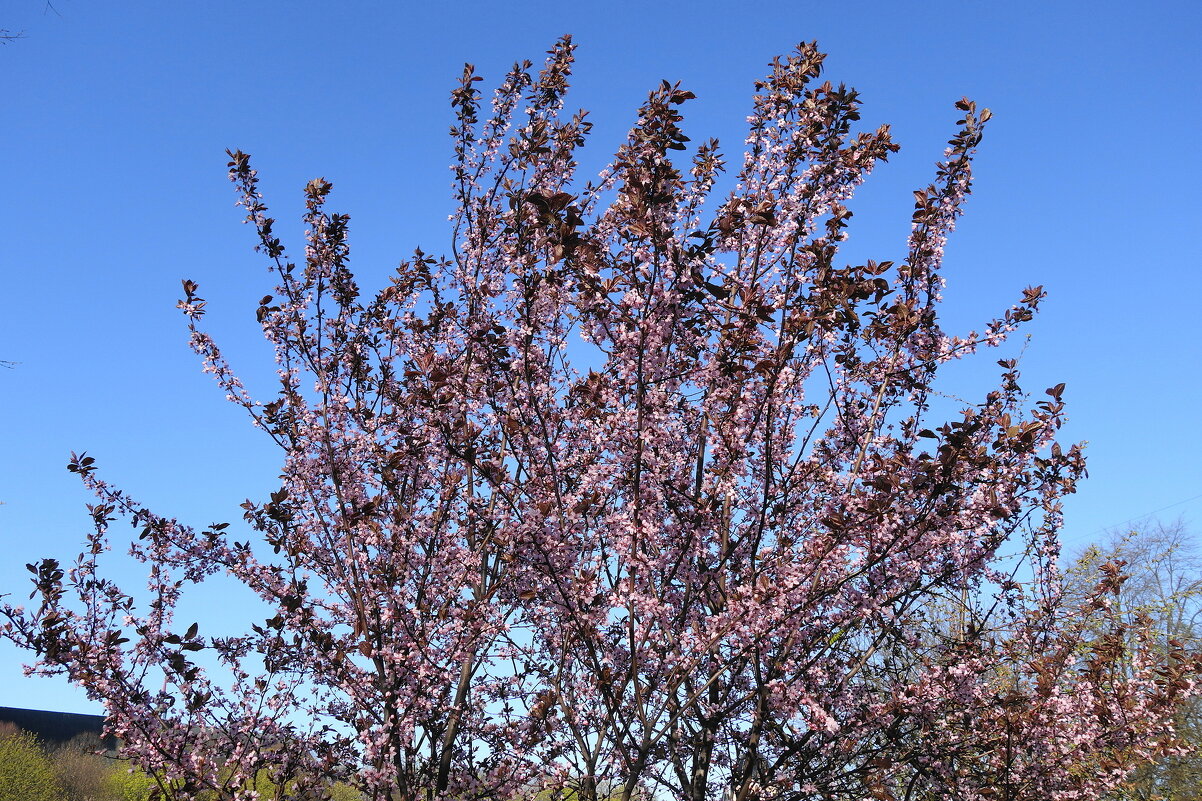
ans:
(124, 784)
(25, 771)
(639, 491)
(1164, 588)
(83, 770)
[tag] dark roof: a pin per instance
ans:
(54, 728)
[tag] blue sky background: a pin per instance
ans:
(117, 115)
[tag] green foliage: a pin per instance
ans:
(344, 792)
(26, 773)
(123, 784)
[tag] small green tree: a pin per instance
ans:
(124, 784)
(25, 771)
(340, 791)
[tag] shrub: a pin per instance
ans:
(82, 769)
(26, 773)
(125, 784)
(344, 792)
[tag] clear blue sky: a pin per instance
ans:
(117, 116)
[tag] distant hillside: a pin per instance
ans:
(55, 728)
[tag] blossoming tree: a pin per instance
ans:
(637, 493)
